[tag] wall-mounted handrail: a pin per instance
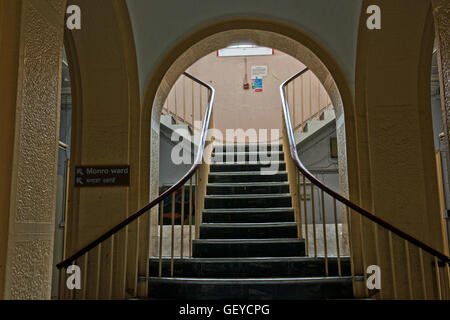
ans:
(198, 161)
(356, 208)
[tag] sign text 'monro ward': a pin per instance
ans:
(101, 176)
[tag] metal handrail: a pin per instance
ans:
(300, 166)
(162, 196)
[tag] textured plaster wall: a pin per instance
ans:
(33, 194)
(9, 60)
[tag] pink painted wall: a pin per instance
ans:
(235, 107)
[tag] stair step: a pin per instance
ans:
(248, 200)
(230, 157)
(248, 147)
(251, 288)
(250, 267)
(248, 215)
(248, 230)
(230, 248)
(246, 176)
(247, 166)
(248, 188)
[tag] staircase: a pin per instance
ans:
(248, 246)
(314, 125)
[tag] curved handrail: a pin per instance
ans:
(162, 196)
(337, 196)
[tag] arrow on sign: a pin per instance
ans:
(80, 172)
(80, 181)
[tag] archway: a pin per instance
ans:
(105, 132)
(262, 33)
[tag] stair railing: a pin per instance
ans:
(181, 102)
(90, 258)
(304, 83)
(410, 269)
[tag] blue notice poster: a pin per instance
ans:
(258, 85)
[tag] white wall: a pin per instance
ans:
(333, 23)
(316, 156)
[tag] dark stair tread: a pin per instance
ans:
(262, 230)
(252, 288)
(248, 215)
(249, 163)
(252, 210)
(247, 176)
(271, 152)
(250, 241)
(273, 247)
(248, 259)
(248, 187)
(218, 157)
(250, 200)
(248, 196)
(242, 173)
(257, 267)
(270, 166)
(247, 184)
(253, 280)
(249, 225)
(236, 154)
(248, 147)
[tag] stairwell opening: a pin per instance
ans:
(174, 93)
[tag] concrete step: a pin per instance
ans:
(247, 147)
(238, 248)
(248, 230)
(248, 215)
(251, 288)
(247, 156)
(248, 188)
(248, 201)
(247, 166)
(250, 267)
(246, 176)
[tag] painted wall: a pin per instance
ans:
(334, 23)
(316, 155)
(9, 61)
(236, 108)
(169, 173)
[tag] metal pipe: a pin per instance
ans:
(324, 233)
(182, 222)
(305, 209)
(391, 254)
(337, 238)
(172, 244)
(408, 269)
(161, 224)
(313, 220)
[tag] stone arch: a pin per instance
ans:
(105, 131)
(262, 32)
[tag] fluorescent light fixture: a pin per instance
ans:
(244, 49)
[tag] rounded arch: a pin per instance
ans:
(263, 32)
(105, 130)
